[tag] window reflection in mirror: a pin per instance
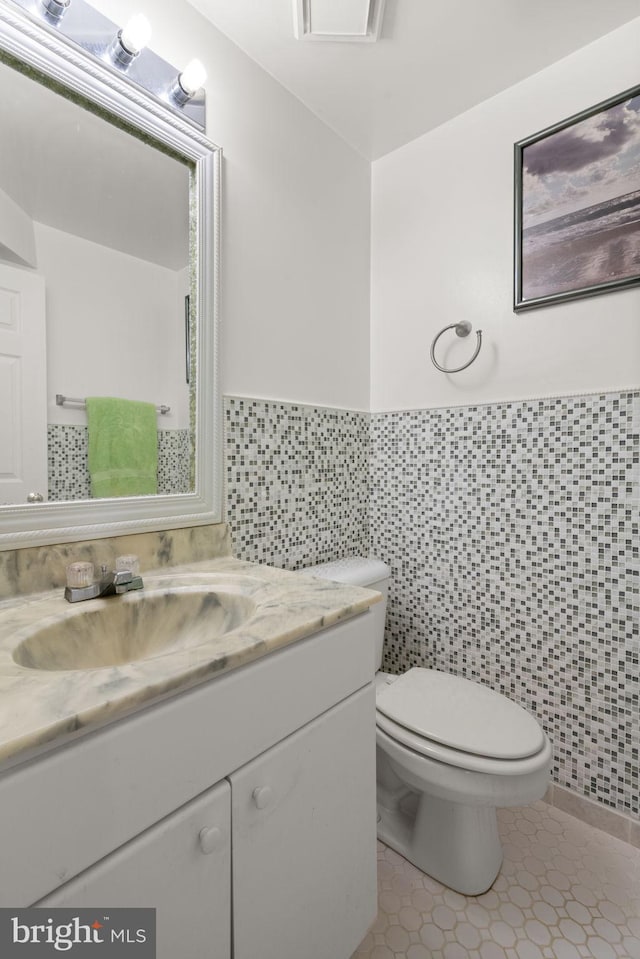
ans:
(94, 247)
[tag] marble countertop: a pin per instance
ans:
(47, 707)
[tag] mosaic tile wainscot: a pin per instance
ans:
(297, 482)
(512, 533)
(68, 462)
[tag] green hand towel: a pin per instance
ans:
(123, 447)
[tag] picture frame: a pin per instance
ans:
(577, 205)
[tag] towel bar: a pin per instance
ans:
(81, 404)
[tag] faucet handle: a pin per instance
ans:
(129, 562)
(79, 574)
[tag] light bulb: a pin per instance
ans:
(192, 77)
(135, 35)
(56, 8)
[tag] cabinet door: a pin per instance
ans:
(304, 839)
(182, 868)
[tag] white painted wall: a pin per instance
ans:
(295, 228)
(17, 244)
(115, 327)
(442, 249)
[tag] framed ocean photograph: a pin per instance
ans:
(577, 205)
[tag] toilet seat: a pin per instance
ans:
(456, 757)
(458, 722)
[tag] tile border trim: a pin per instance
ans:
(594, 813)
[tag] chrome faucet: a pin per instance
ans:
(111, 583)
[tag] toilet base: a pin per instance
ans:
(454, 843)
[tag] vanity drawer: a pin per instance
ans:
(63, 812)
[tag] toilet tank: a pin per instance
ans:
(360, 571)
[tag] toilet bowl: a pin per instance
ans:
(449, 752)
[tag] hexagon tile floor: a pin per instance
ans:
(565, 891)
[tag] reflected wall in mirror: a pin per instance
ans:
(108, 225)
(97, 220)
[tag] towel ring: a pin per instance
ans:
(462, 329)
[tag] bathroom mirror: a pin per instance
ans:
(109, 234)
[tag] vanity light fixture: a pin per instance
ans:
(119, 50)
(187, 83)
(129, 41)
(56, 8)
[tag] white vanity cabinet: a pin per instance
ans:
(181, 867)
(243, 809)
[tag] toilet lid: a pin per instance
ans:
(460, 714)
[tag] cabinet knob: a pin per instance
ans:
(262, 796)
(210, 839)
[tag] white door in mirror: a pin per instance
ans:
(23, 387)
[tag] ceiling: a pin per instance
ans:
(434, 60)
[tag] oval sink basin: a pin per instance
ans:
(138, 626)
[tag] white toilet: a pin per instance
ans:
(449, 752)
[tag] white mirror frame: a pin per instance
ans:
(59, 522)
